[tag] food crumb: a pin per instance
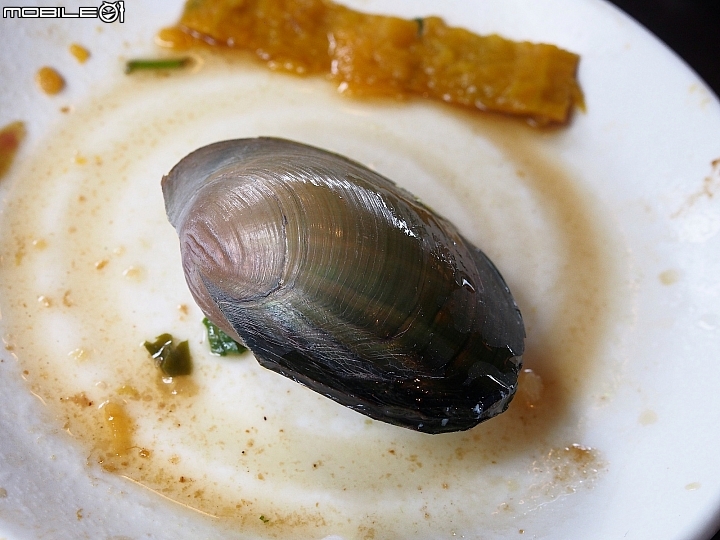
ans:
(79, 514)
(693, 486)
(49, 80)
(8, 342)
(3, 493)
(67, 300)
(19, 255)
(647, 417)
(78, 399)
(80, 53)
(566, 470)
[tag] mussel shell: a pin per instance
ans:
(337, 278)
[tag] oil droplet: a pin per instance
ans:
(134, 273)
(173, 38)
(530, 387)
(128, 391)
(49, 80)
(80, 53)
(120, 428)
(10, 138)
(668, 277)
(39, 243)
(79, 354)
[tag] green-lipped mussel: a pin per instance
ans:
(337, 278)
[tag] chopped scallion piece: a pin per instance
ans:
(173, 360)
(220, 343)
(162, 63)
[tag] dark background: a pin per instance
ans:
(692, 29)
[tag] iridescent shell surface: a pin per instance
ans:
(337, 278)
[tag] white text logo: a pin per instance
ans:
(108, 12)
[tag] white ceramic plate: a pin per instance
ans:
(607, 232)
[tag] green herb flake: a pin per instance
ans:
(163, 63)
(421, 25)
(173, 360)
(220, 343)
(264, 519)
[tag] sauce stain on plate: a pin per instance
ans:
(240, 443)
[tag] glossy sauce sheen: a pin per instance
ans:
(370, 55)
(90, 270)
